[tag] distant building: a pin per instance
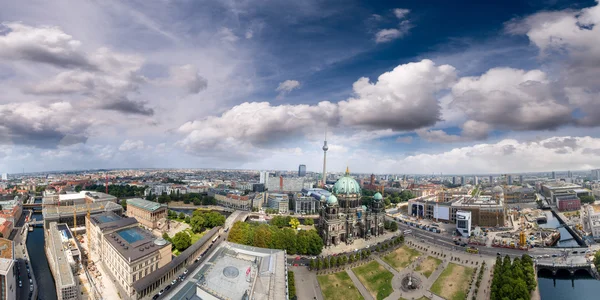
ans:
(510, 180)
(264, 177)
(596, 174)
(279, 202)
(569, 174)
(553, 175)
(301, 170)
(463, 223)
(258, 187)
(519, 195)
(568, 202)
(521, 181)
(552, 189)
(475, 180)
(454, 180)
(304, 204)
(463, 180)
(148, 213)
(8, 274)
(491, 179)
(4, 176)
(289, 184)
(592, 222)
(231, 198)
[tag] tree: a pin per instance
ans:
(587, 199)
(197, 223)
(166, 237)
(181, 216)
(187, 219)
(309, 221)
(182, 240)
(294, 223)
(394, 226)
(124, 203)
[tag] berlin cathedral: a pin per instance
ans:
(343, 218)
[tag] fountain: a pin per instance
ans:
(410, 283)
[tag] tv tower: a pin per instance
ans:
(325, 148)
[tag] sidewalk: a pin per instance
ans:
(361, 288)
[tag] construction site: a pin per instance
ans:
(527, 232)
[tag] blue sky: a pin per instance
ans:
(398, 86)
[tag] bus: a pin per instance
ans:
(407, 232)
(215, 239)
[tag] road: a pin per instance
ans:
(22, 292)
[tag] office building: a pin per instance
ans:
(231, 198)
(521, 181)
(553, 175)
(487, 208)
(8, 274)
(305, 205)
(516, 194)
(258, 187)
(264, 177)
(510, 180)
(552, 189)
(150, 214)
(280, 202)
(453, 180)
(5, 176)
(568, 202)
(596, 174)
(343, 218)
(301, 170)
(491, 179)
(127, 251)
(63, 258)
(64, 214)
(463, 223)
(475, 180)
(463, 180)
(289, 184)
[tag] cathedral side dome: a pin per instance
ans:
(332, 200)
(346, 185)
(378, 196)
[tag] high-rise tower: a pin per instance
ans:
(325, 148)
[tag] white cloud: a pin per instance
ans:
(249, 34)
(401, 99)
(129, 145)
(401, 12)
(386, 35)
(286, 87)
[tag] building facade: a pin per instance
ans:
(463, 223)
(280, 202)
(305, 205)
(568, 202)
(343, 218)
(8, 273)
(301, 170)
(148, 213)
(63, 257)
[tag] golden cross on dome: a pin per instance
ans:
(347, 170)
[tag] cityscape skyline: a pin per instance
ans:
(129, 86)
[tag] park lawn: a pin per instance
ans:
(401, 257)
(195, 236)
(376, 279)
(428, 266)
(453, 283)
(422, 298)
(338, 286)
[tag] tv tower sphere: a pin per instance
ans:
(325, 148)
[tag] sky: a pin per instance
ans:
(396, 87)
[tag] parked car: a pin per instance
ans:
(20, 283)
(161, 292)
(174, 281)
(185, 272)
(155, 297)
(168, 287)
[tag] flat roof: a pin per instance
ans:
(96, 207)
(135, 242)
(109, 220)
(145, 204)
(596, 208)
(62, 269)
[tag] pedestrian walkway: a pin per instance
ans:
(361, 288)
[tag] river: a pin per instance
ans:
(39, 262)
(559, 288)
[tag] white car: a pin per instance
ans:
(20, 283)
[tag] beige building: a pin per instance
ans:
(62, 253)
(127, 251)
(8, 278)
(146, 212)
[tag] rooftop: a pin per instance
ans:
(561, 185)
(109, 220)
(62, 270)
(224, 275)
(56, 211)
(144, 204)
(596, 208)
(134, 243)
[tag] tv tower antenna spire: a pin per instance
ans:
(325, 148)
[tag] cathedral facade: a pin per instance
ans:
(343, 218)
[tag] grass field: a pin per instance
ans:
(194, 236)
(401, 257)
(428, 266)
(376, 279)
(453, 283)
(338, 286)
(422, 298)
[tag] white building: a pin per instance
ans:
(279, 202)
(4, 176)
(463, 223)
(592, 222)
(8, 275)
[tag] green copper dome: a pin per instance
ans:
(346, 185)
(332, 200)
(377, 196)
